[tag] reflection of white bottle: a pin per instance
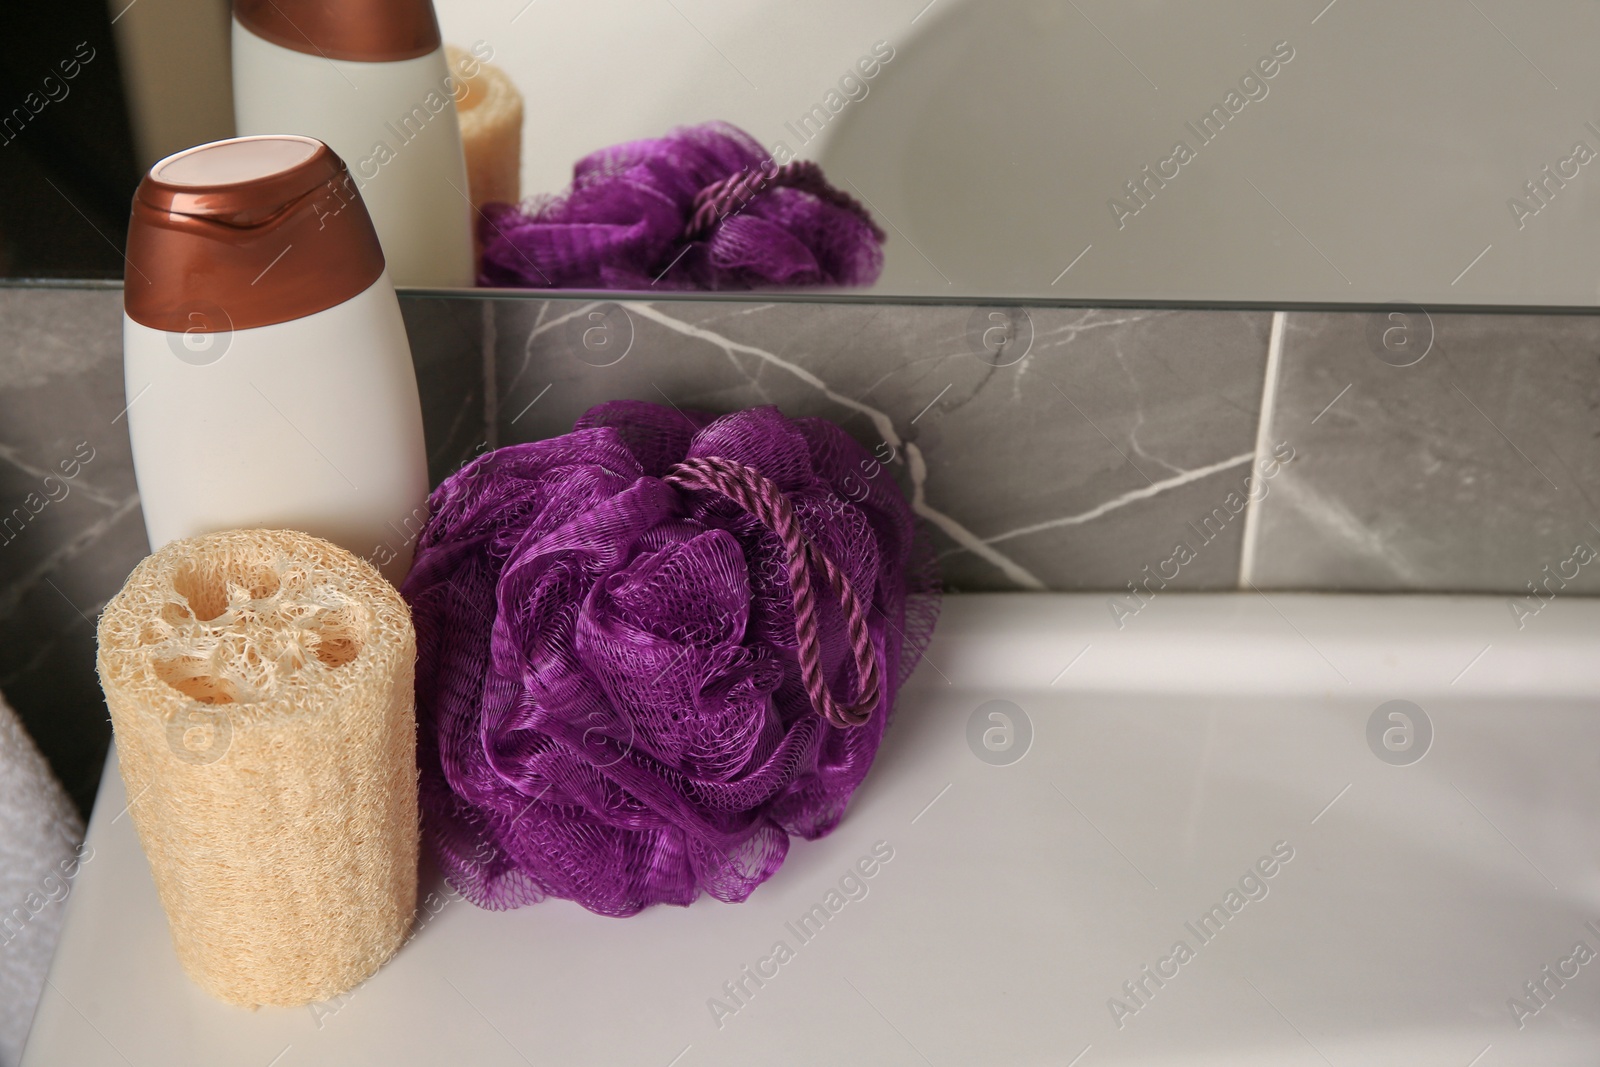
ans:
(368, 78)
(269, 379)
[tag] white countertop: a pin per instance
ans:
(1167, 760)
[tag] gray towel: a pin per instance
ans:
(40, 851)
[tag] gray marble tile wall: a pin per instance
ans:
(1472, 469)
(66, 543)
(1067, 457)
(1047, 448)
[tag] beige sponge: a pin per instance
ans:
(490, 111)
(260, 686)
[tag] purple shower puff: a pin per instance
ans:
(622, 223)
(609, 701)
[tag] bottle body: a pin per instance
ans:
(311, 424)
(394, 123)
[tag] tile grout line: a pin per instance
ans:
(1269, 403)
(491, 392)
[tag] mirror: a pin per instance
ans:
(1324, 151)
(1097, 150)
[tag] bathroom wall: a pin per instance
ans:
(1115, 435)
(1095, 449)
(610, 71)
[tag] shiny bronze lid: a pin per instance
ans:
(246, 232)
(367, 31)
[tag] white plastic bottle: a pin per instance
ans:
(368, 78)
(269, 379)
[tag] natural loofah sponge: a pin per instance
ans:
(260, 686)
(489, 109)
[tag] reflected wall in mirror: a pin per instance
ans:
(1244, 151)
(1240, 151)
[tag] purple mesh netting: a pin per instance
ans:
(609, 701)
(622, 225)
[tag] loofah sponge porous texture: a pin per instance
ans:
(260, 687)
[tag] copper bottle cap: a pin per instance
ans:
(246, 232)
(367, 31)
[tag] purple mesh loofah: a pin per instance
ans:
(642, 215)
(611, 696)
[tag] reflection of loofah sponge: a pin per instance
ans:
(260, 686)
(490, 111)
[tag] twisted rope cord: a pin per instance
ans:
(732, 193)
(761, 498)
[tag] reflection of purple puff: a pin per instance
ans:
(702, 208)
(609, 694)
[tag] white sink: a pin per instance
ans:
(1167, 759)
